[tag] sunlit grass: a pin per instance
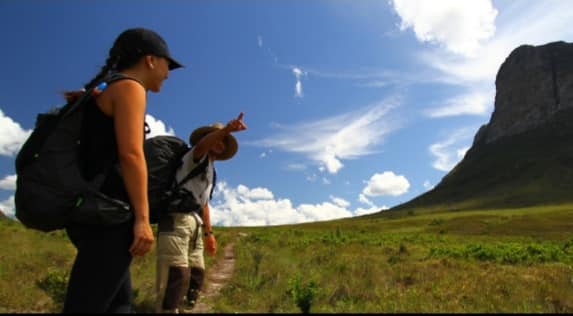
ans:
(506, 260)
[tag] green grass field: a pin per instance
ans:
(510, 260)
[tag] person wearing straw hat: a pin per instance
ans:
(180, 262)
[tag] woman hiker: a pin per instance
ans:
(113, 130)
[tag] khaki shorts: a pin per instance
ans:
(180, 240)
(179, 244)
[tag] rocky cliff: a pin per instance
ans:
(532, 85)
(524, 155)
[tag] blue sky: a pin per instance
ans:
(351, 106)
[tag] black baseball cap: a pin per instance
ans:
(148, 42)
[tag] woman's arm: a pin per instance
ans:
(128, 100)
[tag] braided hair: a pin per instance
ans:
(122, 55)
(109, 65)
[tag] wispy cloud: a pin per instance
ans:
(12, 135)
(242, 206)
(331, 140)
(298, 85)
(474, 102)
(260, 44)
(451, 150)
(296, 166)
(428, 185)
(339, 201)
(363, 199)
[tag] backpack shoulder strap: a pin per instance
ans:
(88, 93)
(214, 183)
(200, 168)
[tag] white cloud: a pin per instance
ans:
(330, 140)
(296, 166)
(254, 194)
(298, 89)
(298, 85)
(473, 48)
(157, 127)
(8, 207)
(12, 135)
(311, 177)
(259, 41)
(522, 22)
(458, 25)
(241, 207)
(363, 199)
(323, 211)
(451, 150)
(428, 185)
(386, 183)
(8, 183)
(364, 211)
(266, 153)
(339, 201)
(518, 23)
(474, 102)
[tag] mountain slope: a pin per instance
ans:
(531, 168)
(524, 155)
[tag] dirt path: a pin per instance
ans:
(217, 276)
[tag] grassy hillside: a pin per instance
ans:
(516, 260)
(533, 168)
(510, 260)
(34, 269)
(496, 235)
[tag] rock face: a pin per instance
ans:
(524, 155)
(533, 84)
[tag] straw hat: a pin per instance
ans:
(231, 145)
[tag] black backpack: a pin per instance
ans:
(50, 189)
(163, 155)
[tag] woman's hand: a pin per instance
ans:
(142, 238)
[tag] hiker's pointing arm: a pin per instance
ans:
(207, 142)
(128, 105)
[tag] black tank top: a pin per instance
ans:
(99, 153)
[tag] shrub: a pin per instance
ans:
(55, 285)
(303, 295)
(510, 253)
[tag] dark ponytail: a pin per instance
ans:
(123, 54)
(110, 65)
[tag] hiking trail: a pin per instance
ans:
(217, 277)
